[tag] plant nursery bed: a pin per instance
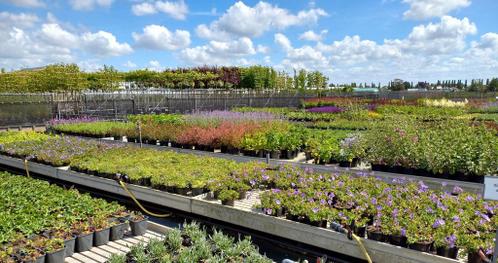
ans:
(436, 183)
(241, 214)
(49, 229)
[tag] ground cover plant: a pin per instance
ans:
(192, 243)
(32, 226)
(15, 136)
(53, 150)
(400, 212)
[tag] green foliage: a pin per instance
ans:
(193, 244)
(60, 213)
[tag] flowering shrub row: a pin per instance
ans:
(403, 213)
(448, 148)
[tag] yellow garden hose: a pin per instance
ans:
(123, 185)
(26, 168)
(362, 248)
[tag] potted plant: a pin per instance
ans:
(228, 197)
(119, 225)
(138, 223)
(54, 249)
(102, 230)
(374, 232)
(84, 240)
(69, 237)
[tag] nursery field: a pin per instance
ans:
(401, 212)
(438, 138)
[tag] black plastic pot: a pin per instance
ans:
(477, 257)
(447, 252)
(138, 228)
(56, 256)
(118, 231)
(182, 190)
(376, 235)
(242, 194)
(360, 231)
(421, 246)
(196, 191)
(275, 154)
(228, 202)
(69, 245)
(84, 242)
(101, 237)
(398, 240)
(40, 259)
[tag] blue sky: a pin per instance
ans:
(348, 40)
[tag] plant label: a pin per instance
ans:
(491, 188)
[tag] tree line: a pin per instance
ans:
(69, 78)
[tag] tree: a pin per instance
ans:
(397, 85)
(493, 85)
(301, 79)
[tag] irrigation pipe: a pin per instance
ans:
(132, 196)
(337, 227)
(26, 168)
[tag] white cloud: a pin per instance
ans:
(54, 35)
(428, 52)
(89, 4)
(310, 35)
(242, 20)
(27, 3)
(305, 57)
(144, 8)
(129, 64)
(263, 49)
(424, 9)
(283, 42)
(444, 37)
(21, 20)
(160, 38)
(155, 65)
(19, 49)
(220, 52)
(104, 44)
(175, 9)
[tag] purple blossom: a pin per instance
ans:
(451, 240)
(326, 109)
(277, 201)
(395, 212)
(268, 211)
(457, 190)
(374, 201)
(456, 219)
(315, 210)
(439, 222)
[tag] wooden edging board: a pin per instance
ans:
(314, 236)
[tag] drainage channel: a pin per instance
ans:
(276, 248)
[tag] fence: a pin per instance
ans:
(29, 109)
